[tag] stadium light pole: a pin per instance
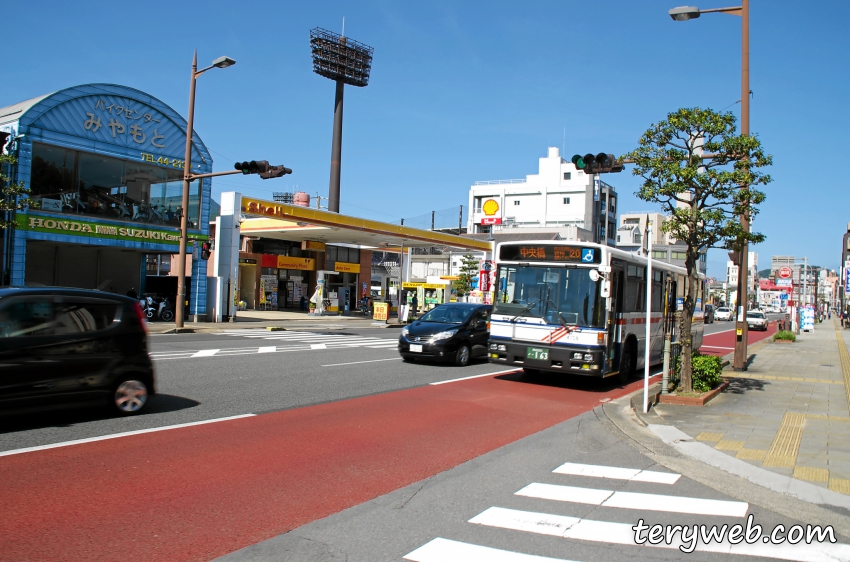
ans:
(346, 62)
(684, 13)
(221, 62)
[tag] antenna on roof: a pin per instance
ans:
(343, 26)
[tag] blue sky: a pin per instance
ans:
(468, 91)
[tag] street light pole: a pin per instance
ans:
(221, 62)
(684, 13)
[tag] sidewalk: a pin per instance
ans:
(787, 414)
(280, 319)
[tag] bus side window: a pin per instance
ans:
(635, 289)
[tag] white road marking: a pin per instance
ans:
(715, 347)
(206, 353)
(445, 550)
(622, 533)
(617, 473)
(633, 500)
(270, 349)
(358, 362)
(117, 435)
(476, 376)
(318, 346)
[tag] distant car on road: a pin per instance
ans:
(757, 320)
(72, 347)
(454, 332)
(723, 313)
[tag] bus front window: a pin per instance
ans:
(564, 296)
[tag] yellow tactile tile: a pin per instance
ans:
(786, 443)
(845, 363)
(751, 454)
(840, 485)
(726, 445)
(811, 474)
(707, 436)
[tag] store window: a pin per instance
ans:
(566, 200)
(567, 175)
(659, 254)
(71, 182)
(679, 255)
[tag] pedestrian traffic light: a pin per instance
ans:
(275, 172)
(205, 251)
(597, 163)
(253, 167)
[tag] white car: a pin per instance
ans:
(723, 313)
(757, 320)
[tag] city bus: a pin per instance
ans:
(580, 308)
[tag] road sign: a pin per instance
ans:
(785, 272)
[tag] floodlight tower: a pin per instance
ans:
(347, 62)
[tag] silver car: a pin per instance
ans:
(723, 313)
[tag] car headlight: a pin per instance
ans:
(443, 335)
(404, 331)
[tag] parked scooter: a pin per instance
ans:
(157, 309)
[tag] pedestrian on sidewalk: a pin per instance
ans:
(414, 304)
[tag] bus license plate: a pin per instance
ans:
(416, 348)
(538, 353)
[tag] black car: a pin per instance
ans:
(72, 347)
(453, 332)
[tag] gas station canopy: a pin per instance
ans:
(283, 221)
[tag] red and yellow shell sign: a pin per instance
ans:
(490, 207)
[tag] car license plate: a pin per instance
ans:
(416, 348)
(539, 353)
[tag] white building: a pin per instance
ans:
(732, 271)
(631, 231)
(558, 198)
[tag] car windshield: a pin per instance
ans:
(448, 314)
(755, 315)
(564, 296)
(722, 310)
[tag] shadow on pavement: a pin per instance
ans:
(567, 381)
(160, 403)
(742, 385)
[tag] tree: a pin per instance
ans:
(13, 195)
(704, 176)
(468, 271)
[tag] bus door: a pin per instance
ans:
(614, 328)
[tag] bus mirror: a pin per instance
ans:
(594, 275)
(605, 289)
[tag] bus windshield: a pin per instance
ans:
(565, 296)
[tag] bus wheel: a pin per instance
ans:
(627, 365)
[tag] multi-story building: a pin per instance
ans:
(630, 236)
(559, 198)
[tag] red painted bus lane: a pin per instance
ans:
(200, 492)
(723, 342)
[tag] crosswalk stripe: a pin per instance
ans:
(269, 349)
(633, 474)
(633, 500)
(318, 346)
(206, 353)
(622, 533)
(445, 550)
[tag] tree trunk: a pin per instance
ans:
(691, 294)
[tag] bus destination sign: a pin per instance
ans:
(550, 253)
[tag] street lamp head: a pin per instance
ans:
(223, 62)
(684, 13)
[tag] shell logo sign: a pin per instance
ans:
(490, 207)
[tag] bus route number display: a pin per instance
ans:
(550, 253)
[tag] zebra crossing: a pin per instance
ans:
(283, 342)
(441, 549)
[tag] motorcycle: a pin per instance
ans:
(157, 309)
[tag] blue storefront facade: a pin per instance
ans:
(104, 165)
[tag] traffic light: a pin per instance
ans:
(253, 167)
(597, 163)
(275, 172)
(205, 251)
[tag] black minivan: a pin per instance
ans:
(72, 347)
(454, 332)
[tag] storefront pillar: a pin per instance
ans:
(18, 260)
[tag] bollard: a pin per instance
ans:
(665, 377)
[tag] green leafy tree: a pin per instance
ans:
(705, 178)
(468, 271)
(13, 195)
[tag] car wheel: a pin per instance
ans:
(462, 356)
(130, 396)
(627, 364)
